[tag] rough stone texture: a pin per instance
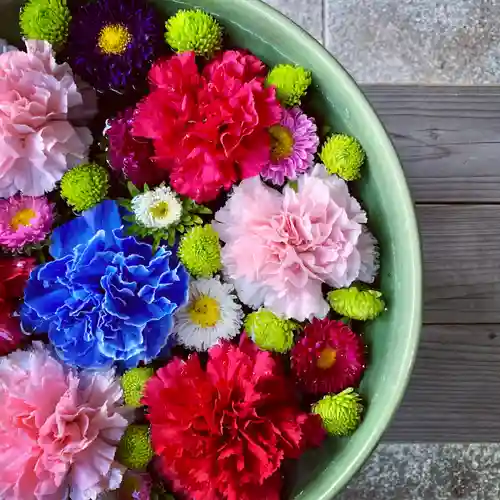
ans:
(434, 472)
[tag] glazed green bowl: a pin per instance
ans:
(337, 103)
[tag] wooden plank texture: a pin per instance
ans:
(448, 139)
(454, 393)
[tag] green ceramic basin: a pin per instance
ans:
(338, 103)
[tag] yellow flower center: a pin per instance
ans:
(205, 311)
(327, 358)
(22, 218)
(281, 142)
(114, 38)
(160, 210)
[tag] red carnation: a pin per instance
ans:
(223, 432)
(13, 275)
(329, 357)
(209, 130)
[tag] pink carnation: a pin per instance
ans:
(37, 143)
(58, 429)
(24, 220)
(281, 248)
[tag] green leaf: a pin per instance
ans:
(132, 189)
(171, 239)
(146, 188)
(186, 218)
(181, 228)
(202, 209)
(197, 219)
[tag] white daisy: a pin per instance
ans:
(211, 314)
(158, 208)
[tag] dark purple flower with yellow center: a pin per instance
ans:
(112, 43)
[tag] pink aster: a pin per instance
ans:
(294, 143)
(58, 429)
(329, 357)
(281, 248)
(24, 220)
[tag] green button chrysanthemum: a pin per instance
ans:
(134, 450)
(357, 303)
(133, 382)
(199, 251)
(84, 186)
(340, 413)
(291, 83)
(46, 20)
(270, 332)
(194, 30)
(344, 156)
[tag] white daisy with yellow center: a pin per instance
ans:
(158, 208)
(212, 314)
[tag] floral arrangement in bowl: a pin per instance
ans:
(184, 271)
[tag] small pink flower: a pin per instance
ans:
(24, 220)
(281, 248)
(58, 429)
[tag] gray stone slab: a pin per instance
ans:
(429, 472)
(424, 41)
(306, 13)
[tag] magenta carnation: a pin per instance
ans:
(281, 248)
(24, 220)
(58, 429)
(37, 142)
(294, 143)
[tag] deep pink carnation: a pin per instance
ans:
(132, 156)
(329, 357)
(223, 432)
(58, 429)
(24, 220)
(209, 130)
(281, 248)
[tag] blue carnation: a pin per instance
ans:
(106, 297)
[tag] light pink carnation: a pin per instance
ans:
(281, 248)
(24, 220)
(58, 429)
(37, 142)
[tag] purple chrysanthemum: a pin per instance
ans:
(112, 43)
(294, 143)
(24, 220)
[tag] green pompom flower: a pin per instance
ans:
(84, 186)
(133, 382)
(194, 30)
(343, 155)
(46, 20)
(291, 83)
(134, 450)
(340, 413)
(357, 303)
(270, 332)
(199, 251)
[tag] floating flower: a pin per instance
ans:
(200, 251)
(270, 332)
(291, 83)
(58, 429)
(106, 297)
(112, 43)
(294, 143)
(24, 220)
(194, 30)
(132, 156)
(357, 303)
(134, 450)
(45, 20)
(329, 357)
(158, 208)
(209, 130)
(37, 142)
(340, 413)
(13, 275)
(281, 248)
(133, 382)
(212, 314)
(85, 185)
(224, 431)
(343, 155)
